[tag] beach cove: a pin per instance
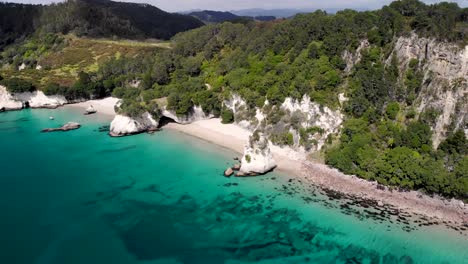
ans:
(161, 198)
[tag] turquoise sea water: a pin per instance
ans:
(83, 197)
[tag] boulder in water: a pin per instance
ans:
(125, 125)
(90, 110)
(67, 127)
(228, 172)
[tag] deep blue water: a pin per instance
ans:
(84, 197)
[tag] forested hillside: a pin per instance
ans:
(213, 16)
(91, 18)
(355, 67)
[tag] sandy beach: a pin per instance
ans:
(103, 106)
(313, 172)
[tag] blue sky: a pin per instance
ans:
(182, 5)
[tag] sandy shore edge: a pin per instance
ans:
(295, 164)
(103, 106)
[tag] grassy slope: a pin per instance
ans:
(81, 54)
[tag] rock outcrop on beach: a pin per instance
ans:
(90, 110)
(257, 158)
(124, 125)
(35, 99)
(196, 114)
(67, 127)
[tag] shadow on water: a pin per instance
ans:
(8, 128)
(117, 150)
(22, 119)
(110, 195)
(233, 226)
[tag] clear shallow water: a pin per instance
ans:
(83, 197)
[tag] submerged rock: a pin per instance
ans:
(236, 167)
(124, 125)
(67, 127)
(257, 158)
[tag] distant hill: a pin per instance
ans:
(97, 18)
(209, 16)
(93, 18)
(213, 16)
(280, 13)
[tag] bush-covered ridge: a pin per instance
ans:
(92, 18)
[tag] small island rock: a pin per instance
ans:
(124, 125)
(67, 127)
(257, 158)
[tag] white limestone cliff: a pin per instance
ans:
(35, 99)
(314, 115)
(445, 83)
(196, 114)
(124, 125)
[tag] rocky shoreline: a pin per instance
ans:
(435, 209)
(423, 209)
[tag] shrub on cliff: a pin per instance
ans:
(17, 85)
(227, 116)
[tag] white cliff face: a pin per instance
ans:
(38, 99)
(196, 115)
(315, 116)
(352, 59)
(124, 125)
(7, 101)
(235, 103)
(445, 83)
(35, 99)
(257, 158)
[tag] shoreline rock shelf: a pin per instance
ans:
(67, 127)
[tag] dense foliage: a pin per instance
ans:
(16, 85)
(17, 21)
(94, 18)
(105, 18)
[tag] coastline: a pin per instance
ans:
(234, 137)
(296, 164)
